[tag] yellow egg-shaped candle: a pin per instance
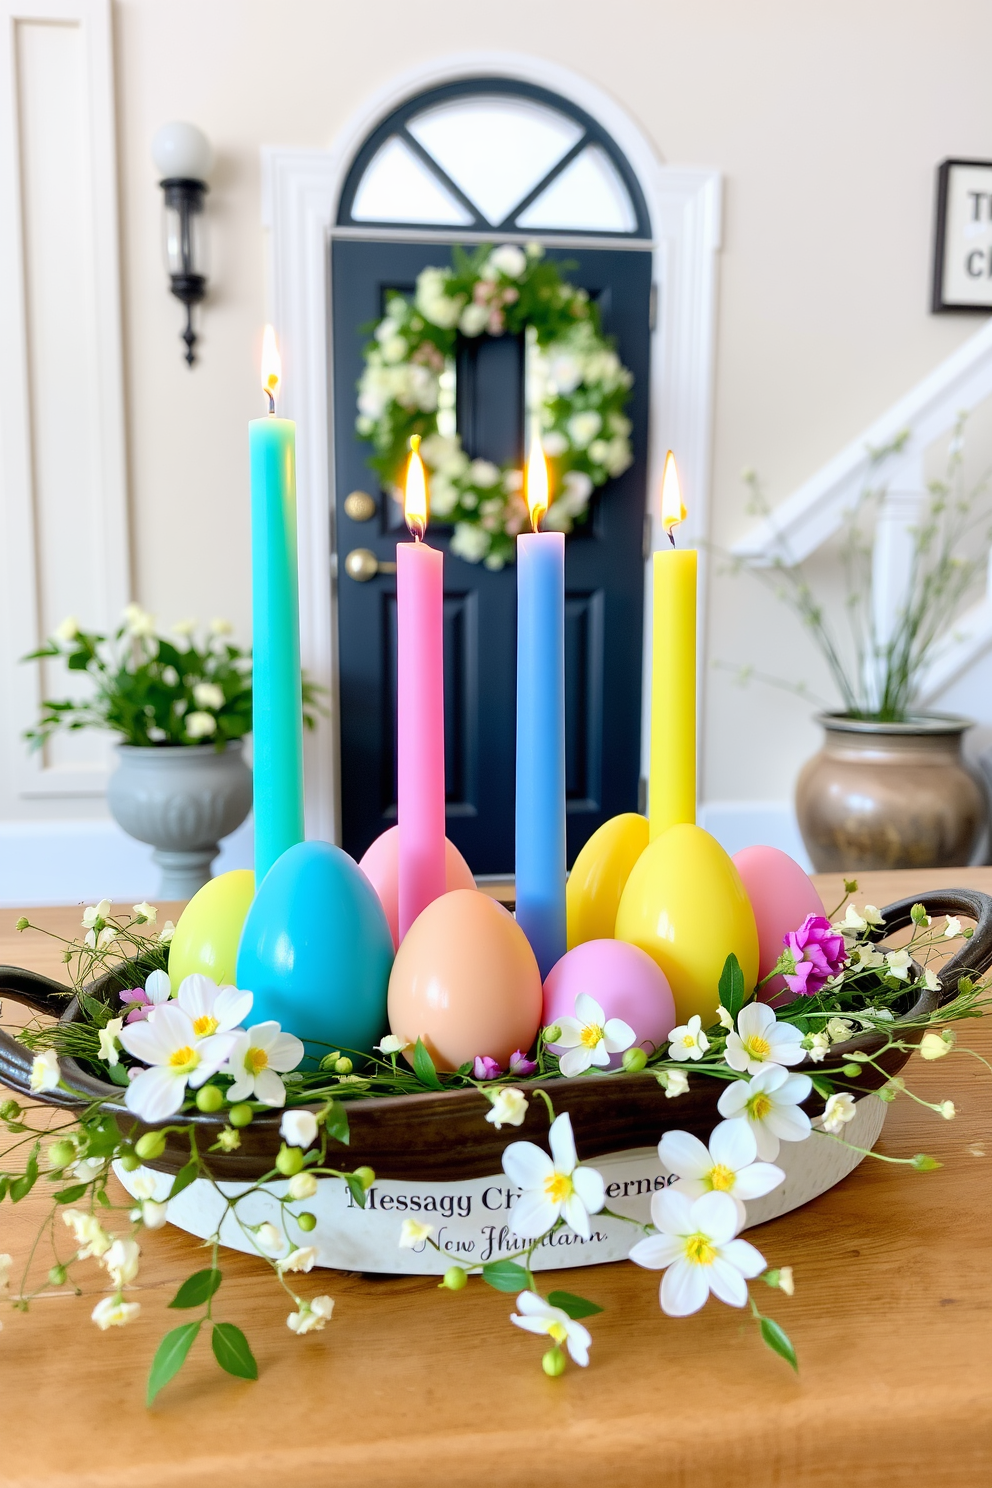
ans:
(596, 882)
(684, 903)
(209, 929)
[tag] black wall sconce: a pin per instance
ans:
(184, 156)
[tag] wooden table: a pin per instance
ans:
(892, 1320)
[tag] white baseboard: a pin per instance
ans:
(66, 862)
(737, 824)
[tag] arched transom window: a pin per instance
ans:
(493, 155)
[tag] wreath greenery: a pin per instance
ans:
(577, 386)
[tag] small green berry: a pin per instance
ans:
(454, 1279)
(57, 1275)
(289, 1160)
(306, 1220)
(852, 1070)
(552, 1034)
(634, 1060)
(150, 1146)
(343, 1066)
(130, 1161)
(60, 1154)
(365, 1176)
(209, 1099)
(241, 1114)
(553, 1363)
(10, 1111)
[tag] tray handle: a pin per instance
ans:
(44, 996)
(975, 956)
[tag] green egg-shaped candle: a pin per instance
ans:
(684, 903)
(316, 951)
(209, 929)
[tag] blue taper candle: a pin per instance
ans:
(540, 806)
(277, 701)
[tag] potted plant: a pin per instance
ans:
(889, 788)
(181, 708)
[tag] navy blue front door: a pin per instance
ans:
(604, 578)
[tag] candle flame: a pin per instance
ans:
(415, 506)
(271, 366)
(538, 484)
(672, 506)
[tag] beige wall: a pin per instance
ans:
(827, 122)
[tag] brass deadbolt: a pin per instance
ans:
(361, 565)
(359, 506)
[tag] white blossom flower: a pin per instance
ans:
(392, 1044)
(200, 725)
(936, 1045)
(869, 956)
(583, 427)
(858, 922)
(184, 627)
(536, 1315)
(761, 1039)
(413, 1233)
(473, 320)
(153, 1214)
(469, 542)
(770, 1104)
(68, 630)
(302, 1186)
(952, 927)
(85, 1169)
(94, 912)
(675, 1083)
(228, 1139)
(509, 1107)
(270, 1239)
(839, 1029)
(948, 1110)
(553, 1186)
(212, 1009)
(109, 1036)
(145, 911)
(688, 1041)
(221, 627)
(113, 1312)
(931, 980)
(259, 1056)
(6, 1262)
(484, 474)
(785, 1281)
(168, 1042)
(88, 1233)
(817, 1046)
(98, 942)
(138, 622)
(725, 1018)
(897, 964)
(45, 1072)
(300, 1259)
(840, 1109)
(298, 1127)
(697, 1249)
(121, 1261)
(167, 932)
(312, 1316)
(208, 695)
(507, 259)
(728, 1165)
(590, 1037)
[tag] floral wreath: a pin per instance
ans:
(578, 390)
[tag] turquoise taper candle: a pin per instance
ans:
(277, 706)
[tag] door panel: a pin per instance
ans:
(604, 575)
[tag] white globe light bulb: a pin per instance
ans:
(182, 151)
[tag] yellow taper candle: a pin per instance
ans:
(672, 784)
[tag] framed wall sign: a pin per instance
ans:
(962, 259)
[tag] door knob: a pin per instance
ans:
(361, 565)
(360, 506)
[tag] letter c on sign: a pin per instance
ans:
(976, 254)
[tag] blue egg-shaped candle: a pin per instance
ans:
(316, 951)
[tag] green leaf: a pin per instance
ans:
(98, 1011)
(197, 1289)
(356, 1189)
(4, 1186)
(118, 1074)
(576, 1307)
(823, 1086)
(21, 1187)
(778, 1341)
(506, 1276)
(336, 1123)
(733, 993)
(70, 1195)
(423, 1067)
(170, 1356)
(184, 1178)
(232, 1351)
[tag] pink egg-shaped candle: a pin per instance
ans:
(781, 895)
(626, 983)
(381, 865)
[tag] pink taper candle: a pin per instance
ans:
(420, 707)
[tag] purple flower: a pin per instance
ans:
(819, 953)
(520, 1064)
(156, 990)
(485, 1068)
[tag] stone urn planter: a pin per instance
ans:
(182, 799)
(890, 795)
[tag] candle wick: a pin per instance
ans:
(671, 536)
(272, 402)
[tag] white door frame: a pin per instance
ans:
(300, 193)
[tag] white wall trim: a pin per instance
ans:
(97, 244)
(299, 204)
(814, 512)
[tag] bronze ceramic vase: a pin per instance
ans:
(890, 795)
